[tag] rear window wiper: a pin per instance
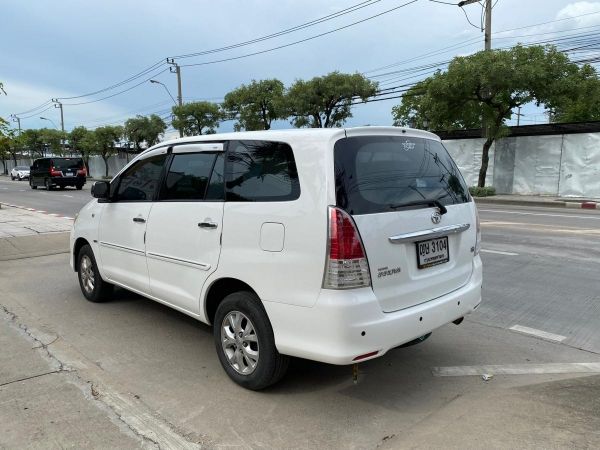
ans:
(433, 202)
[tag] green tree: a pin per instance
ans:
(5, 153)
(486, 88)
(146, 129)
(197, 118)
(581, 104)
(256, 105)
(326, 101)
(76, 138)
(52, 140)
(104, 143)
(30, 140)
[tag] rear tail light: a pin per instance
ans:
(82, 172)
(54, 172)
(478, 233)
(346, 266)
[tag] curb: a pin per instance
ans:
(548, 204)
(36, 210)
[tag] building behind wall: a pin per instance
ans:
(552, 159)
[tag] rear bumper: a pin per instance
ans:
(332, 330)
(67, 181)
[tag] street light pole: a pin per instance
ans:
(49, 120)
(166, 89)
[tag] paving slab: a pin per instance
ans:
(41, 407)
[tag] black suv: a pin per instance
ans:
(61, 172)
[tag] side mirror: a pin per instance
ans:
(101, 190)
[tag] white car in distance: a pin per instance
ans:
(334, 245)
(19, 173)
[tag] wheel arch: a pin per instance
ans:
(79, 242)
(220, 289)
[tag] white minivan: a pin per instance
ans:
(334, 245)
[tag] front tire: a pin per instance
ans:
(93, 287)
(245, 343)
(12, 178)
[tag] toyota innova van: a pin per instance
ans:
(334, 245)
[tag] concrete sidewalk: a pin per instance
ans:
(540, 200)
(16, 221)
(45, 404)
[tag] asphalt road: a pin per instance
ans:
(158, 369)
(65, 202)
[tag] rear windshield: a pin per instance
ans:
(67, 163)
(375, 174)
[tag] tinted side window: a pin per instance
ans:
(140, 182)
(216, 186)
(261, 171)
(188, 176)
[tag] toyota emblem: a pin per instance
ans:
(436, 217)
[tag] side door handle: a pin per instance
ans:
(208, 225)
(139, 220)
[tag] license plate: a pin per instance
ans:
(432, 252)
(70, 174)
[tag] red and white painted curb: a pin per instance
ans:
(582, 205)
(37, 210)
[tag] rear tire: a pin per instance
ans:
(93, 287)
(48, 184)
(79, 187)
(245, 343)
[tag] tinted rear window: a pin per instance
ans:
(375, 174)
(68, 163)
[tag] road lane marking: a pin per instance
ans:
(66, 195)
(538, 333)
(498, 252)
(542, 228)
(539, 214)
(516, 369)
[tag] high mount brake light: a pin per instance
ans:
(346, 266)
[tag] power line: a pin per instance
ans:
(302, 26)
(301, 40)
(120, 92)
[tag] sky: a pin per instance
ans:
(66, 48)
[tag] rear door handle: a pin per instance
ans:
(207, 225)
(139, 220)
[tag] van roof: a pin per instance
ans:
(296, 133)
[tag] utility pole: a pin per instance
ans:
(488, 20)
(58, 104)
(18, 120)
(488, 47)
(519, 116)
(176, 69)
(488, 25)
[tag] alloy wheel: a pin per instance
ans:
(86, 270)
(239, 342)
